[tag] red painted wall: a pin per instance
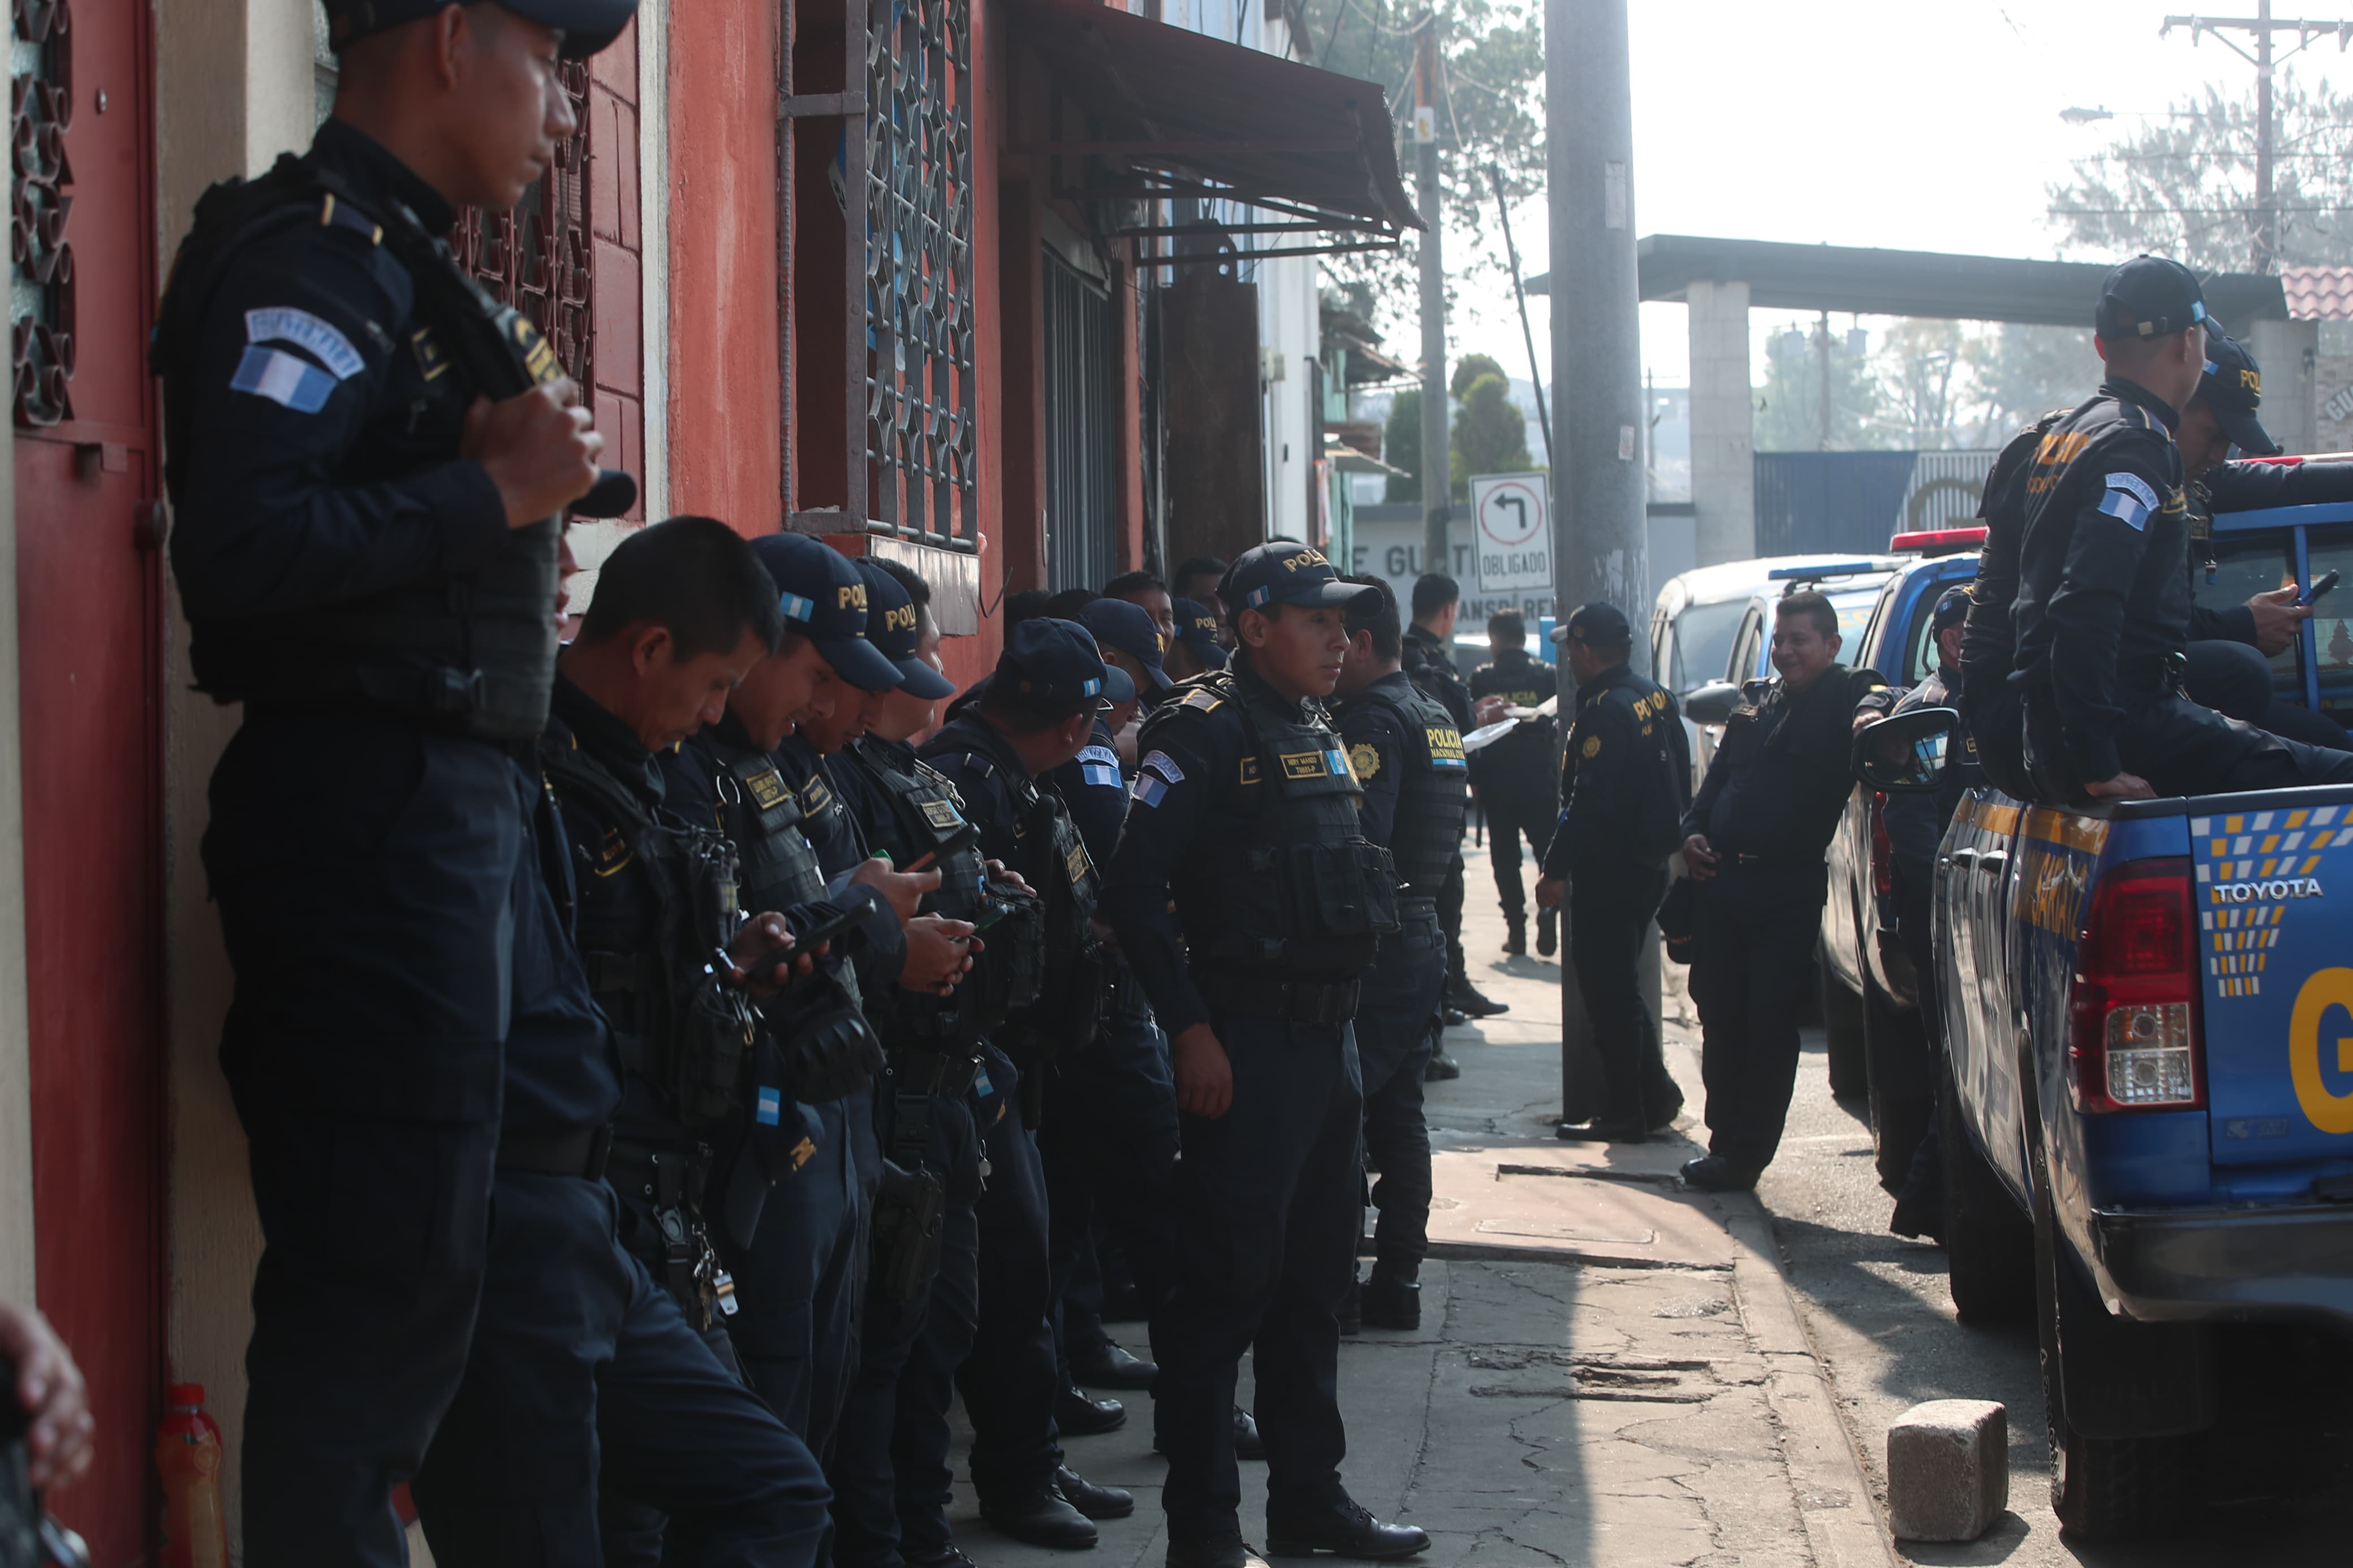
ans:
(725, 384)
(618, 267)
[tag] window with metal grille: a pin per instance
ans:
(536, 255)
(1082, 431)
(916, 190)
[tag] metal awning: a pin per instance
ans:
(1175, 114)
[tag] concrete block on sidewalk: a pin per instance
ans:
(1948, 1470)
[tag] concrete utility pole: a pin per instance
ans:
(2260, 26)
(1597, 364)
(1598, 521)
(1437, 484)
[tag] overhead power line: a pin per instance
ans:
(2262, 26)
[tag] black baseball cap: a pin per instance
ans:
(588, 26)
(1053, 669)
(824, 599)
(1286, 573)
(2233, 389)
(1128, 627)
(1952, 607)
(1597, 625)
(2148, 297)
(894, 628)
(1197, 629)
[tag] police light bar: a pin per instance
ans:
(1937, 540)
(1834, 569)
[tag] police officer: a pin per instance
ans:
(1916, 828)
(1196, 650)
(366, 555)
(2230, 651)
(1038, 712)
(2102, 614)
(789, 1178)
(1408, 755)
(1753, 841)
(1429, 663)
(1245, 814)
(1108, 1137)
(573, 1335)
(1622, 796)
(682, 611)
(1148, 593)
(1516, 775)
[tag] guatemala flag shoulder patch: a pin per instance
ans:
(2128, 499)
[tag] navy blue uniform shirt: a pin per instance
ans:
(2103, 577)
(321, 462)
(1369, 724)
(1778, 781)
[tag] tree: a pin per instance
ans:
(2017, 374)
(1491, 110)
(1489, 434)
(1788, 409)
(2184, 184)
(1468, 369)
(1401, 446)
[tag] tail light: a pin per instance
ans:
(2133, 1037)
(1883, 848)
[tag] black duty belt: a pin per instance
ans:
(1770, 862)
(1415, 904)
(1321, 1001)
(575, 1152)
(948, 1074)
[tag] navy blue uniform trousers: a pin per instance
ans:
(364, 870)
(890, 1463)
(1008, 1379)
(1108, 1140)
(1267, 1200)
(1394, 1036)
(585, 1374)
(799, 1281)
(1754, 928)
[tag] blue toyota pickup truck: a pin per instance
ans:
(2148, 1106)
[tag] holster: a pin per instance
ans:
(909, 1208)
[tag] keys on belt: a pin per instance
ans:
(672, 1181)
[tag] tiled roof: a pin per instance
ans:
(2318, 293)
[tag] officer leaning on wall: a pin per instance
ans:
(366, 486)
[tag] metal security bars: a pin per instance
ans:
(914, 309)
(536, 255)
(1081, 443)
(41, 287)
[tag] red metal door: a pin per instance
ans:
(86, 464)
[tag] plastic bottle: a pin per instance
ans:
(188, 1457)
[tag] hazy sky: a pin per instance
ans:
(1880, 122)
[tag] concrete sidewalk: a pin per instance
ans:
(1610, 1370)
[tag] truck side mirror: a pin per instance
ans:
(1712, 703)
(1907, 754)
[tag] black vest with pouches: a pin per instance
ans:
(1433, 791)
(1286, 883)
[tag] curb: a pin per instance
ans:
(1834, 1492)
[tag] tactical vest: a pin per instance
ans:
(1067, 1003)
(1285, 883)
(927, 817)
(678, 1023)
(470, 652)
(828, 1049)
(1427, 830)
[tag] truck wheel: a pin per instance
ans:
(1988, 1243)
(2102, 1489)
(1895, 1059)
(1842, 1026)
